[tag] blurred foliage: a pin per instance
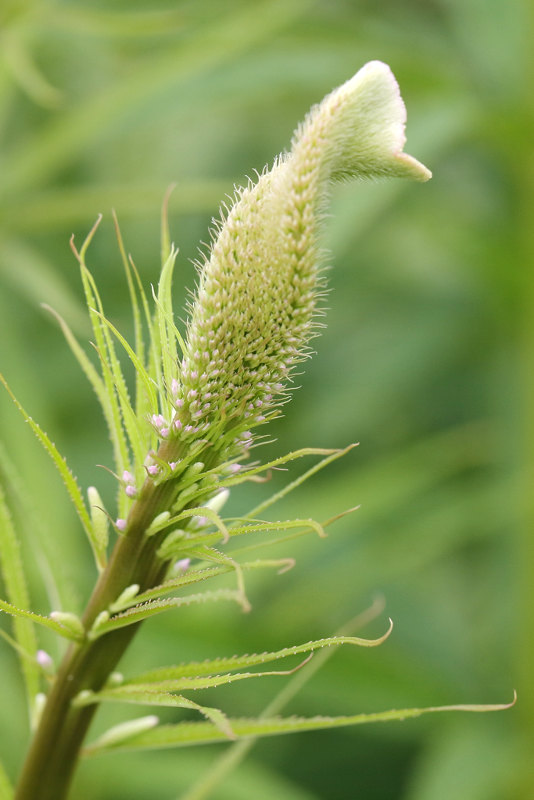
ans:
(425, 361)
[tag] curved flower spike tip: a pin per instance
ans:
(358, 130)
(253, 314)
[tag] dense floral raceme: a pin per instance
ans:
(253, 315)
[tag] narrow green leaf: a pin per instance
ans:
(132, 688)
(102, 341)
(193, 576)
(197, 669)
(148, 383)
(31, 273)
(14, 644)
(151, 696)
(142, 408)
(154, 354)
(23, 501)
(299, 481)
(68, 633)
(199, 575)
(92, 375)
(124, 416)
(164, 316)
(202, 511)
(234, 480)
(189, 733)
(275, 525)
(278, 525)
(135, 428)
(145, 610)
(211, 554)
(165, 233)
(67, 476)
(231, 757)
(6, 789)
(17, 592)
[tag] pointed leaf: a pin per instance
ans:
(152, 696)
(255, 527)
(138, 365)
(188, 733)
(68, 633)
(68, 478)
(289, 487)
(211, 554)
(202, 511)
(102, 343)
(92, 375)
(145, 610)
(141, 405)
(133, 688)
(17, 592)
(164, 313)
(234, 480)
(196, 576)
(221, 665)
(134, 427)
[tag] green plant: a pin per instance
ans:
(201, 399)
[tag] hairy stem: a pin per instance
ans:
(53, 754)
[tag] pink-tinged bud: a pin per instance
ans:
(182, 565)
(179, 403)
(177, 425)
(120, 524)
(152, 469)
(164, 431)
(128, 477)
(175, 386)
(131, 491)
(233, 468)
(44, 660)
(173, 465)
(157, 420)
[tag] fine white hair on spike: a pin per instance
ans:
(257, 302)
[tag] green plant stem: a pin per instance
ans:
(54, 751)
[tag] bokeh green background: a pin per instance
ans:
(425, 361)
